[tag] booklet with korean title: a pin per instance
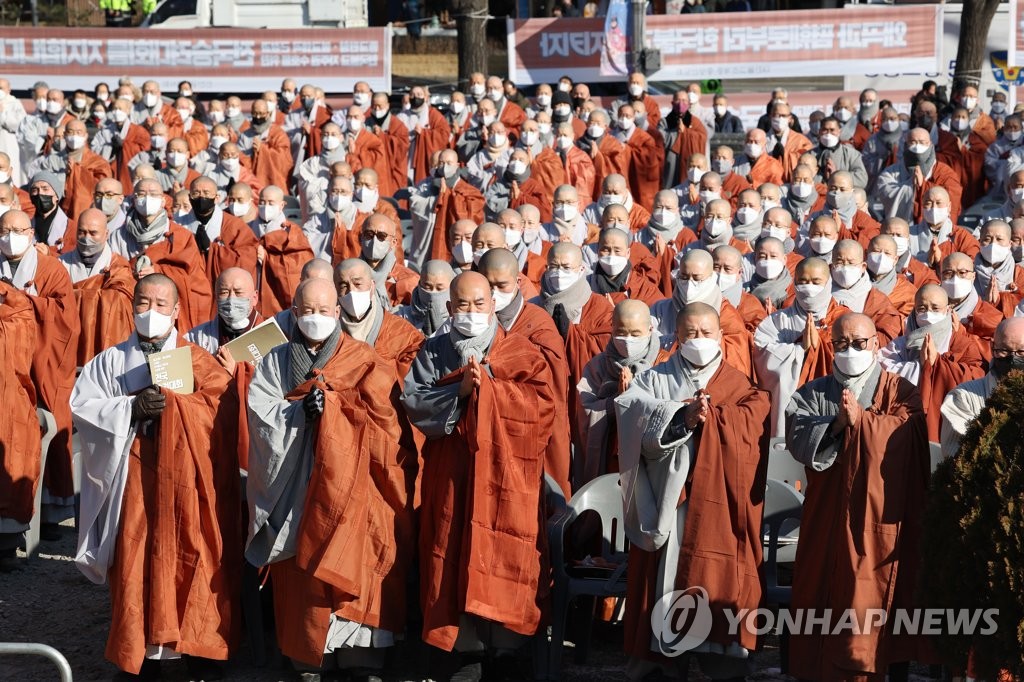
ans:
(257, 342)
(172, 369)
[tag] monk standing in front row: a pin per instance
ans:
(483, 398)
(160, 497)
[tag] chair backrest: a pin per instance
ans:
(935, 454)
(782, 467)
(603, 496)
(783, 507)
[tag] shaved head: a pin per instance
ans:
(700, 313)
(498, 261)
(631, 310)
(318, 268)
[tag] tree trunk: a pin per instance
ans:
(971, 51)
(471, 23)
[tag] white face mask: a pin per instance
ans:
(216, 141)
(970, 103)
(720, 110)
(930, 317)
(269, 212)
(847, 275)
(478, 254)
(780, 124)
(149, 206)
(529, 137)
(663, 217)
(707, 196)
(769, 268)
(957, 288)
(544, 101)
(339, 202)
(801, 190)
(231, 165)
(150, 99)
(54, 107)
(152, 324)
(936, 215)
(119, 116)
(530, 234)
(880, 263)
(626, 123)
(375, 249)
(562, 279)
(355, 124)
(457, 107)
(240, 208)
(158, 141)
(177, 159)
(361, 99)
(695, 174)
(636, 89)
(217, 116)
(564, 87)
(807, 294)
(699, 352)
(316, 327)
(564, 142)
(75, 142)
(747, 215)
(545, 129)
(726, 280)
(780, 233)
(902, 244)
(1014, 135)
(917, 148)
(958, 124)
(331, 142)
(502, 299)
(356, 303)
(891, 125)
(367, 198)
(843, 115)
(595, 131)
(80, 103)
(692, 290)
(462, 252)
(233, 112)
(828, 140)
(853, 362)
(631, 346)
(715, 227)
(498, 140)
(495, 95)
(566, 212)
(513, 237)
(753, 150)
(822, 245)
(185, 114)
(607, 200)
(1017, 194)
(995, 253)
(5, 177)
(14, 245)
(471, 324)
(517, 167)
(612, 264)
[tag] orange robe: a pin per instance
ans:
(371, 153)
(796, 145)
(105, 311)
(287, 251)
(578, 171)
(534, 193)
(690, 141)
(947, 178)
(136, 140)
(234, 248)
(401, 282)
(80, 183)
(174, 579)
(513, 117)
(765, 169)
(19, 467)
(962, 362)
(197, 137)
(546, 169)
(170, 117)
(732, 186)
(612, 157)
(647, 159)
(888, 321)
(902, 296)
(314, 140)
(178, 257)
(396, 151)
(272, 162)
(461, 201)
(982, 325)
(470, 500)
(429, 140)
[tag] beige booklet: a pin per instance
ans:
(172, 369)
(257, 342)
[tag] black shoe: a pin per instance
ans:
(470, 670)
(203, 669)
(150, 670)
(49, 532)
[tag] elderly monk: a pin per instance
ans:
(756, 165)
(369, 199)
(365, 317)
(524, 244)
(792, 346)
(436, 203)
(153, 243)
(935, 354)
(634, 347)
(50, 292)
(160, 497)
(696, 283)
(81, 167)
(365, 200)
(282, 250)
(460, 393)
(614, 190)
(614, 275)
(788, 145)
(851, 287)
(841, 206)
(965, 402)
(903, 187)
(330, 490)
(51, 224)
(429, 132)
(460, 245)
(315, 172)
(491, 236)
(881, 262)
(772, 283)
(608, 154)
(13, 194)
(730, 270)
(20, 465)
(176, 175)
(241, 203)
(223, 239)
(978, 316)
(518, 316)
(567, 223)
(427, 309)
(917, 272)
(379, 239)
(314, 268)
(109, 198)
(267, 146)
(103, 285)
(858, 423)
(936, 234)
(998, 279)
(690, 435)
(235, 296)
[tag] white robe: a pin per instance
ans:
(962, 405)
(10, 118)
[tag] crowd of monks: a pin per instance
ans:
(583, 288)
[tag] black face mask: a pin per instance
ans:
(43, 203)
(1003, 366)
(415, 102)
(578, 102)
(203, 206)
(925, 122)
(258, 121)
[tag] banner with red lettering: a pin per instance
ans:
(856, 40)
(213, 59)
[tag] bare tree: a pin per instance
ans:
(971, 51)
(471, 24)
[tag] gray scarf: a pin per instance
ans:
(941, 333)
(887, 282)
(261, 127)
(926, 161)
(565, 229)
(641, 361)
(381, 273)
(965, 308)
(473, 346)
(748, 233)
(146, 234)
(863, 385)
(302, 362)
(572, 299)
(776, 290)
(667, 232)
(507, 316)
(854, 297)
(430, 307)
(983, 273)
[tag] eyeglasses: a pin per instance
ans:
(949, 274)
(842, 344)
(106, 195)
(381, 236)
(1007, 352)
(4, 233)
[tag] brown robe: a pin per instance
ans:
(80, 182)
(645, 168)
(234, 248)
(272, 163)
(962, 362)
(175, 574)
(178, 257)
(397, 344)
(280, 273)
(136, 140)
(429, 140)
(612, 157)
(371, 153)
(461, 201)
(396, 152)
(105, 311)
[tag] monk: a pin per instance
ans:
(936, 353)
(789, 145)
(160, 497)
(518, 316)
(365, 150)
(614, 190)
(20, 465)
(460, 393)
(330, 490)
(860, 423)
(635, 346)
(82, 167)
(696, 283)
(103, 285)
(690, 434)
(153, 108)
(998, 278)
(109, 198)
(153, 243)
(903, 187)
(791, 345)
(366, 317)
(235, 294)
(881, 262)
(315, 172)
(395, 137)
(427, 309)
(646, 157)
(176, 175)
(122, 141)
(915, 271)
(282, 250)
(51, 224)
(367, 199)
(268, 148)
(576, 166)
(608, 154)
(51, 296)
(978, 316)
(851, 287)
(685, 135)
(429, 132)
(379, 240)
(567, 222)
(937, 235)
(615, 276)
(531, 261)
(756, 166)
(437, 204)
(729, 270)
(771, 284)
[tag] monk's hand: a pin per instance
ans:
(471, 378)
(659, 245)
(256, 144)
(305, 127)
(934, 253)
(694, 193)
(850, 409)
(992, 295)
(830, 167)
(142, 272)
(769, 305)
(593, 150)
(929, 353)
(515, 189)
(42, 249)
(148, 404)
(918, 178)
(261, 253)
(625, 378)
(811, 338)
(313, 404)
(226, 359)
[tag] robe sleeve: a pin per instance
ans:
(777, 365)
(433, 409)
(809, 434)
